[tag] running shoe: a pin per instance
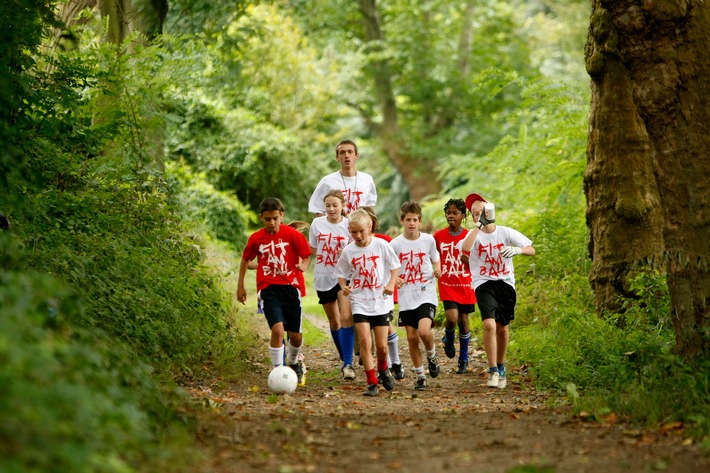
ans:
(434, 367)
(420, 385)
(348, 372)
(371, 390)
(462, 368)
(493, 379)
(397, 371)
(386, 379)
(449, 347)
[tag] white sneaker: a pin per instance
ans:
(502, 381)
(348, 372)
(493, 379)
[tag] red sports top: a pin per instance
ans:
(277, 256)
(455, 280)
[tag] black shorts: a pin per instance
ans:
(282, 303)
(462, 308)
(411, 318)
(496, 300)
(331, 295)
(374, 320)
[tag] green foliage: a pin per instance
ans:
(74, 399)
(218, 212)
(603, 368)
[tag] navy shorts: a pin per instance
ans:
(411, 318)
(282, 303)
(496, 300)
(462, 308)
(331, 295)
(374, 320)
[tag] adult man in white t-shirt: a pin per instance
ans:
(357, 187)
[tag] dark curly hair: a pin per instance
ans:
(458, 203)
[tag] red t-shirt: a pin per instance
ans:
(387, 238)
(455, 280)
(277, 256)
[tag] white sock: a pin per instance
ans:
(293, 352)
(393, 348)
(277, 355)
(431, 353)
(420, 372)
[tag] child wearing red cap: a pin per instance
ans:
(490, 249)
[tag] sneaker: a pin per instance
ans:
(420, 385)
(434, 367)
(502, 380)
(449, 347)
(348, 372)
(386, 380)
(299, 373)
(371, 390)
(397, 371)
(462, 368)
(493, 379)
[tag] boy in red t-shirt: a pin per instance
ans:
(283, 255)
(455, 289)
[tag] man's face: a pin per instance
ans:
(346, 156)
(272, 220)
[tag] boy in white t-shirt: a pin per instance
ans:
(417, 289)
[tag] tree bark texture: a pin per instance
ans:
(420, 179)
(647, 177)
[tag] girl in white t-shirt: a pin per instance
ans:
(367, 271)
(328, 236)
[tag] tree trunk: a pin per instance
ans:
(418, 175)
(648, 165)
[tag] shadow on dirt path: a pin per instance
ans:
(457, 425)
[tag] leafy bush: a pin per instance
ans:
(631, 370)
(73, 399)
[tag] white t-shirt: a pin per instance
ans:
(327, 238)
(417, 270)
(368, 270)
(485, 260)
(358, 190)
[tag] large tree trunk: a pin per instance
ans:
(648, 161)
(415, 172)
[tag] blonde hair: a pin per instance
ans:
(361, 217)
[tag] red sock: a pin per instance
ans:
(381, 364)
(371, 377)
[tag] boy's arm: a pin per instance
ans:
(467, 243)
(510, 251)
(389, 288)
(437, 269)
(241, 291)
(343, 283)
(304, 264)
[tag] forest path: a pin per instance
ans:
(457, 425)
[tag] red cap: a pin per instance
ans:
(473, 198)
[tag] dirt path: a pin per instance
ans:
(457, 425)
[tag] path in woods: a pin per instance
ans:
(457, 425)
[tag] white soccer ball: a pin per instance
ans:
(282, 380)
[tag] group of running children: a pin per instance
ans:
(361, 274)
